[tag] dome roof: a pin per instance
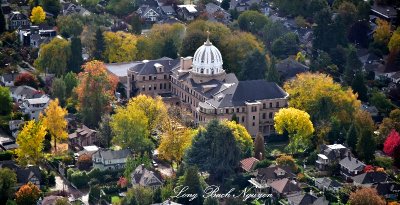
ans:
(207, 60)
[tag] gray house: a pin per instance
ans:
(351, 166)
(146, 178)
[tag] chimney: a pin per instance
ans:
(349, 155)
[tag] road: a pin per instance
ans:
(61, 185)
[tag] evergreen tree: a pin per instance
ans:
(169, 49)
(157, 196)
(353, 65)
(259, 147)
(100, 45)
(191, 179)
(366, 146)
(211, 201)
(2, 22)
(272, 74)
(75, 60)
(359, 87)
(58, 90)
(351, 137)
(136, 24)
(105, 132)
(254, 67)
(225, 4)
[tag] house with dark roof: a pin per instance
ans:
(187, 12)
(17, 19)
(389, 190)
(248, 164)
(326, 183)
(289, 68)
(149, 13)
(34, 36)
(388, 13)
(216, 13)
(168, 11)
(110, 159)
(24, 175)
(20, 93)
(266, 176)
(8, 79)
(83, 136)
(284, 187)
(146, 178)
(70, 8)
(302, 199)
(370, 178)
(330, 155)
(351, 166)
(242, 5)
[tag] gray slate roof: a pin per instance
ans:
(327, 182)
(352, 163)
(302, 199)
(111, 154)
(147, 67)
(370, 178)
(144, 177)
(289, 68)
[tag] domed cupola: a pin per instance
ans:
(207, 62)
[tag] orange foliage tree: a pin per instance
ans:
(95, 91)
(28, 194)
(366, 196)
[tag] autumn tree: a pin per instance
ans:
(297, 124)
(37, 15)
(366, 196)
(54, 56)
(286, 160)
(5, 101)
(26, 79)
(55, 122)
(28, 194)
(242, 137)
(382, 32)
(30, 143)
(321, 97)
(392, 146)
(8, 182)
(120, 47)
(259, 147)
(95, 90)
(175, 140)
(394, 42)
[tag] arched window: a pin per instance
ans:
(202, 70)
(212, 71)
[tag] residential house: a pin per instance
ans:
(33, 107)
(187, 12)
(24, 175)
(330, 155)
(20, 93)
(168, 11)
(372, 110)
(370, 178)
(266, 176)
(110, 159)
(284, 187)
(388, 13)
(351, 166)
(306, 199)
(83, 136)
(34, 36)
(394, 77)
(289, 68)
(248, 164)
(70, 8)
(148, 13)
(389, 190)
(17, 19)
(7, 143)
(146, 178)
(14, 126)
(242, 5)
(8, 79)
(216, 13)
(326, 183)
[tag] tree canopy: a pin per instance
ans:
(55, 121)
(120, 47)
(37, 15)
(30, 143)
(54, 56)
(5, 101)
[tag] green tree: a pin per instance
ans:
(5, 101)
(105, 131)
(242, 137)
(8, 181)
(71, 81)
(351, 137)
(381, 102)
(51, 6)
(366, 144)
(75, 61)
(2, 22)
(169, 49)
(215, 150)
(285, 45)
(58, 90)
(99, 45)
(359, 87)
(136, 24)
(272, 31)
(191, 179)
(254, 67)
(259, 147)
(211, 201)
(353, 65)
(54, 56)
(252, 21)
(272, 74)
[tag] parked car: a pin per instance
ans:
(154, 163)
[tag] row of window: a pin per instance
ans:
(144, 78)
(154, 87)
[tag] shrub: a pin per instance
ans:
(6, 155)
(263, 163)
(80, 179)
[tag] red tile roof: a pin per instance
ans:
(248, 163)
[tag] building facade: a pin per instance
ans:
(201, 85)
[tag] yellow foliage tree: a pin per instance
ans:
(37, 15)
(175, 140)
(120, 47)
(30, 143)
(241, 136)
(153, 108)
(382, 32)
(297, 124)
(321, 97)
(286, 160)
(394, 43)
(55, 122)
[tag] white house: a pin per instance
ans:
(110, 159)
(33, 107)
(20, 93)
